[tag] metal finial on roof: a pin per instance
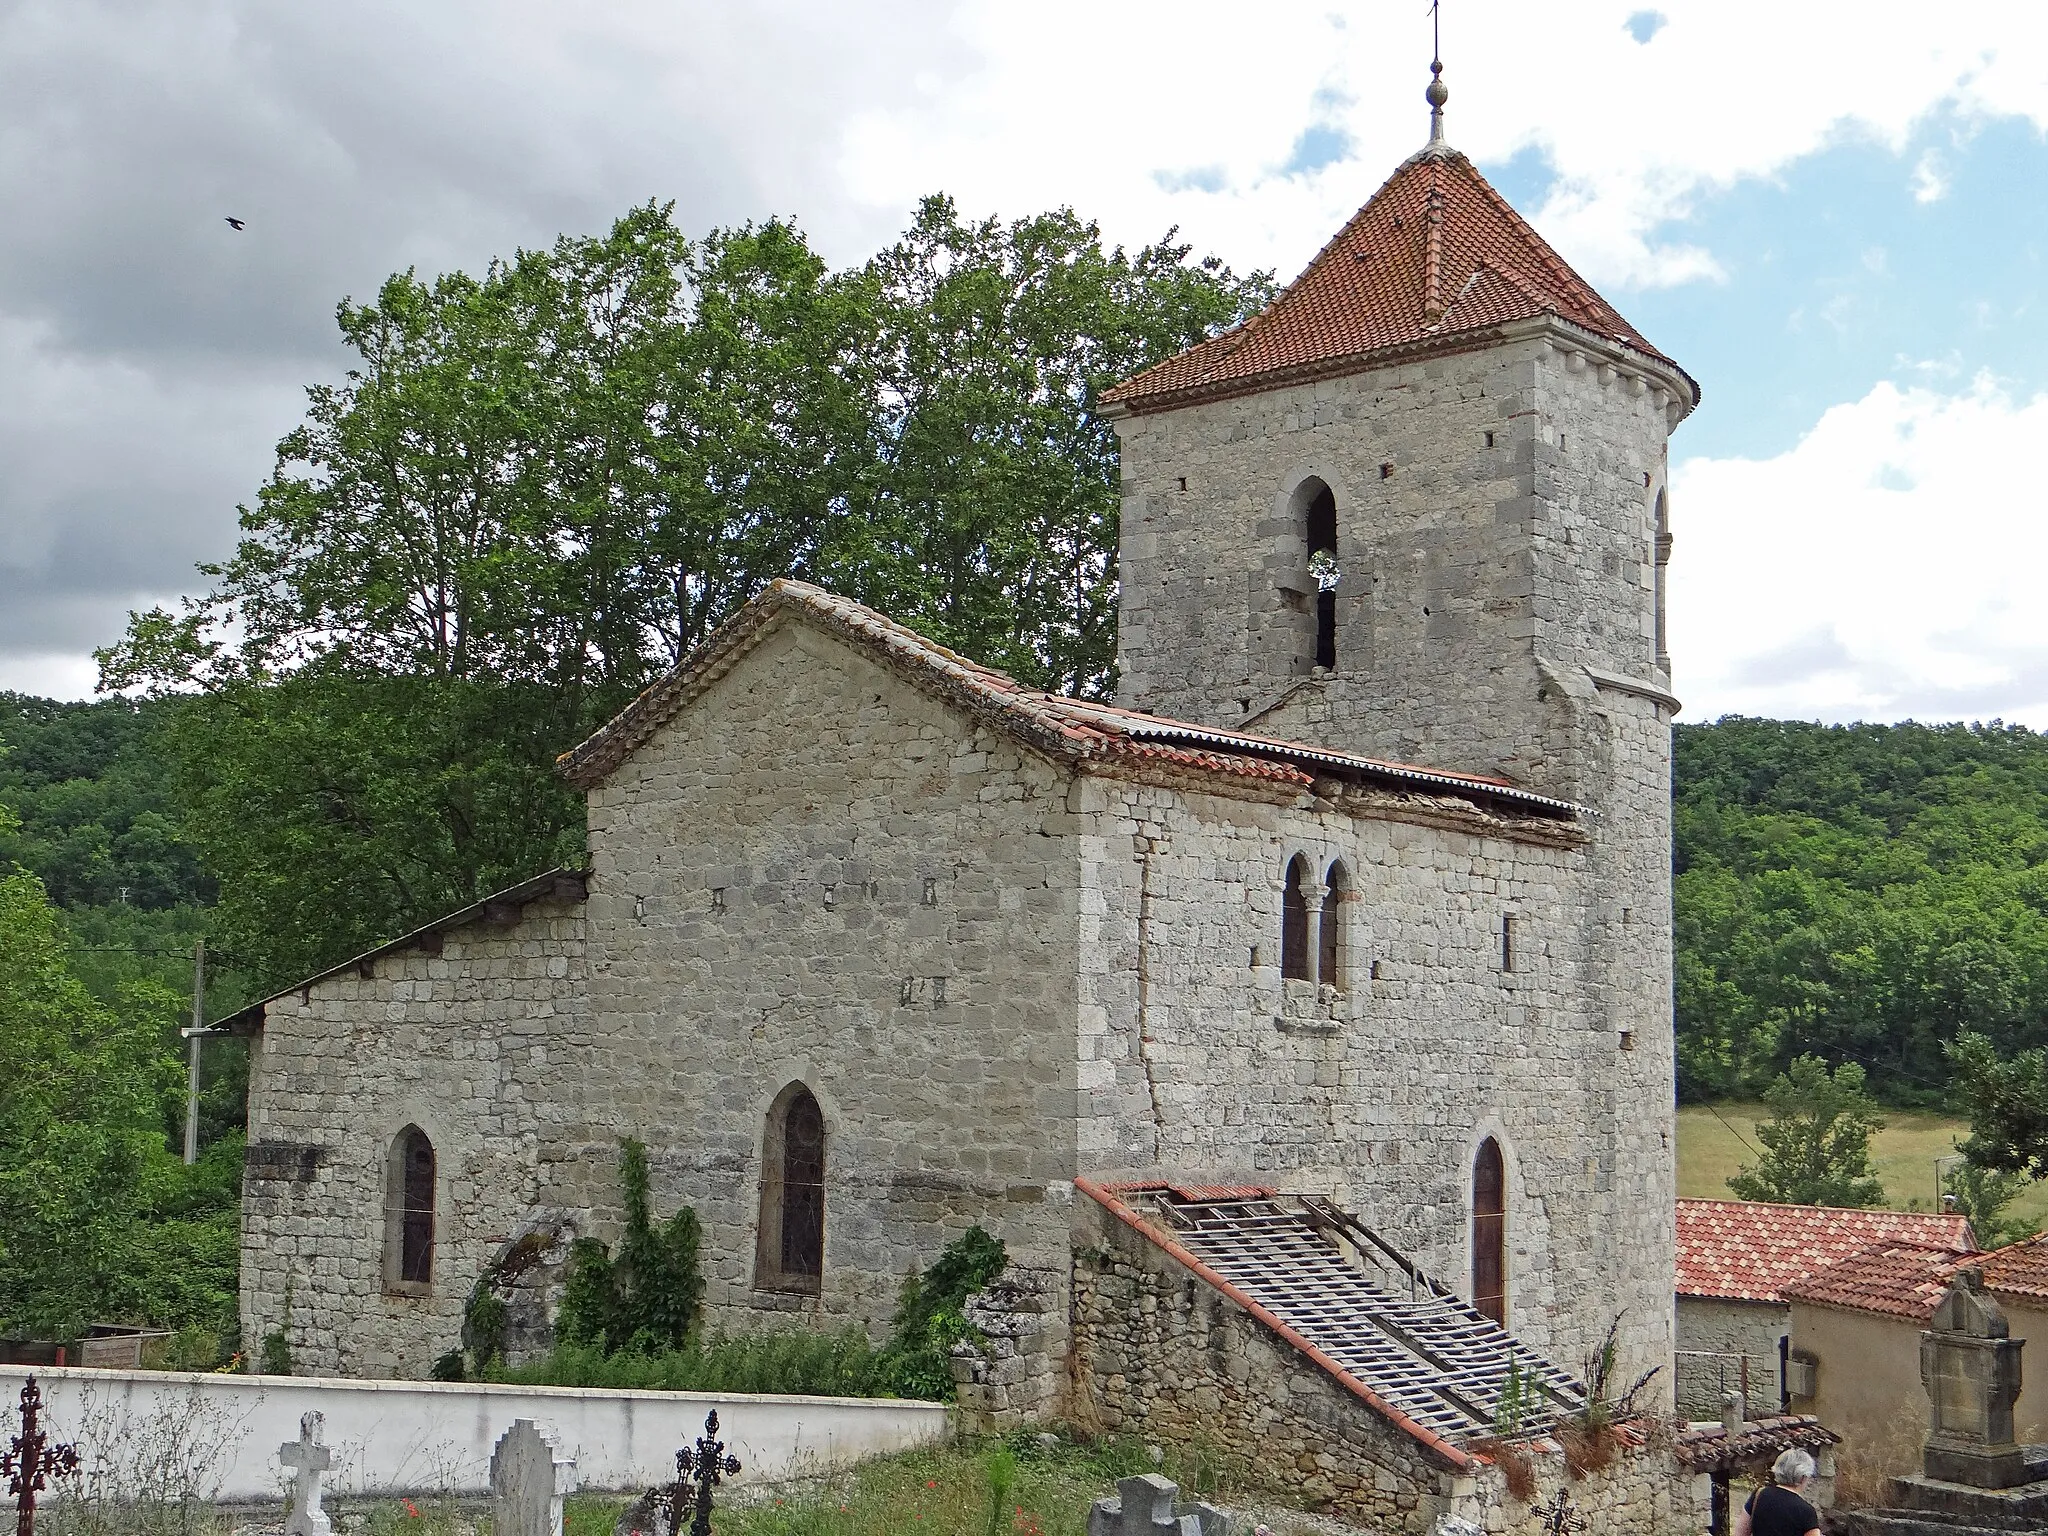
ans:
(1438, 93)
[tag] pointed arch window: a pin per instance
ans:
(1294, 939)
(1489, 1232)
(790, 1253)
(409, 1188)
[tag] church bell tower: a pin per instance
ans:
(1413, 509)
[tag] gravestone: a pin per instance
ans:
(529, 1476)
(309, 1461)
(1970, 1366)
(1144, 1506)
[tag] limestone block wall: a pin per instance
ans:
(1377, 1089)
(817, 873)
(1711, 1326)
(1495, 509)
(469, 1045)
(1159, 1354)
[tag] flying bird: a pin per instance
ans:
(234, 223)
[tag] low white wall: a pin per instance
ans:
(431, 1437)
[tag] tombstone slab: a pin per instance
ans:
(309, 1460)
(1970, 1366)
(1144, 1506)
(530, 1473)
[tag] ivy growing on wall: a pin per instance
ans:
(645, 1299)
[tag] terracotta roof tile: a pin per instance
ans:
(1435, 255)
(1896, 1279)
(1743, 1250)
(2019, 1270)
(1710, 1448)
(1077, 730)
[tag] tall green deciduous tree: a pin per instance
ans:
(2008, 1106)
(541, 487)
(1817, 1141)
(102, 1223)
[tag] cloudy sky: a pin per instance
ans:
(1833, 213)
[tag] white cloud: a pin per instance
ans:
(1078, 101)
(1888, 565)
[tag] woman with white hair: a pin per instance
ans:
(1778, 1508)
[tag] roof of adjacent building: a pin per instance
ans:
(1896, 1279)
(1710, 1448)
(2019, 1269)
(1745, 1250)
(1435, 260)
(1081, 732)
(1402, 1343)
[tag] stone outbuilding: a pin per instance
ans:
(1735, 1257)
(1359, 891)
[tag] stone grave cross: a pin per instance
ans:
(529, 1476)
(1144, 1505)
(308, 1459)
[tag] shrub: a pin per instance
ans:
(645, 1299)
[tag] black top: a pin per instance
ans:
(1775, 1511)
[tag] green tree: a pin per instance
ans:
(1982, 1194)
(103, 1223)
(541, 487)
(2008, 1105)
(1817, 1141)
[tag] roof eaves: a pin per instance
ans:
(1105, 1195)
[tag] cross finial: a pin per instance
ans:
(1438, 93)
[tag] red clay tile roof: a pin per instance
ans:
(1894, 1279)
(1710, 1448)
(2019, 1270)
(1073, 730)
(1743, 1250)
(1436, 254)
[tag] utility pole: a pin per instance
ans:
(192, 1060)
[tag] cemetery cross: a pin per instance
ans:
(1559, 1517)
(308, 1459)
(709, 1467)
(30, 1461)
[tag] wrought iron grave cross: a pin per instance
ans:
(30, 1461)
(696, 1476)
(1560, 1517)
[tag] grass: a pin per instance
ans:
(1714, 1141)
(939, 1492)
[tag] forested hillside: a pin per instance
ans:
(1860, 892)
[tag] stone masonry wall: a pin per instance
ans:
(816, 872)
(1708, 1325)
(1378, 1087)
(469, 1045)
(1496, 530)
(1161, 1355)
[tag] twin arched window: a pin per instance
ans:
(1312, 923)
(409, 1177)
(790, 1245)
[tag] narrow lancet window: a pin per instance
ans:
(1322, 564)
(1489, 1232)
(409, 1211)
(1294, 953)
(791, 1251)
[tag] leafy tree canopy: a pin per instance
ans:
(1817, 1141)
(102, 1222)
(541, 487)
(2008, 1105)
(1863, 893)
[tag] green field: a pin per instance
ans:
(1713, 1141)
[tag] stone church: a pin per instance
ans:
(1349, 923)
